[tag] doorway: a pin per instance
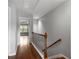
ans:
(24, 33)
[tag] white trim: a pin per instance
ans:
(38, 50)
(12, 54)
(58, 55)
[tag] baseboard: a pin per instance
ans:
(12, 54)
(37, 50)
(58, 55)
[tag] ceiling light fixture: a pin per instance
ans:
(36, 17)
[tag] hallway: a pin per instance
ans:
(25, 50)
(35, 26)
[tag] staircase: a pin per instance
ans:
(45, 35)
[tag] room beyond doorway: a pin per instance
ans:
(24, 30)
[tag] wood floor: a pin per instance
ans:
(25, 50)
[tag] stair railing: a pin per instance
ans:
(45, 44)
(45, 35)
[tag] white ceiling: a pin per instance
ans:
(37, 8)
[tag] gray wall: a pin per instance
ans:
(12, 30)
(57, 24)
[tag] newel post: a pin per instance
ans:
(45, 52)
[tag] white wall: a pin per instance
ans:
(57, 24)
(12, 30)
(30, 28)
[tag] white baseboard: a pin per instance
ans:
(12, 54)
(58, 55)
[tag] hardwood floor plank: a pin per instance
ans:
(27, 52)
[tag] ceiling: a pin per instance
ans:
(36, 8)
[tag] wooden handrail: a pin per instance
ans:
(51, 45)
(45, 44)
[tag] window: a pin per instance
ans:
(24, 29)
